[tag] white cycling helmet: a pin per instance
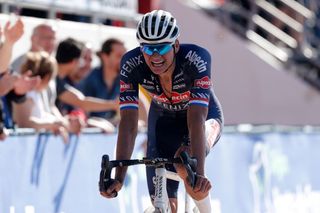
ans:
(156, 27)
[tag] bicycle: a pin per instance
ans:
(161, 200)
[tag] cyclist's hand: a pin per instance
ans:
(112, 190)
(201, 189)
(182, 172)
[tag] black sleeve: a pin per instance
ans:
(12, 96)
(61, 85)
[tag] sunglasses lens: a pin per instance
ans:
(161, 49)
(165, 49)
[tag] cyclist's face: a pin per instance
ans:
(159, 58)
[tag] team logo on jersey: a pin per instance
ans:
(160, 98)
(124, 87)
(203, 83)
(195, 59)
(180, 97)
(130, 64)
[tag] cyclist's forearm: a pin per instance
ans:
(124, 151)
(128, 128)
(196, 125)
(198, 147)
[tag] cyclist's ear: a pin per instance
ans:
(176, 46)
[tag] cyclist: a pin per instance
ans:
(184, 108)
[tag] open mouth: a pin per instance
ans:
(157, 63)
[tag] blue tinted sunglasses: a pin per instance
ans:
(161, 49)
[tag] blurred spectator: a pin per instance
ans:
(73, 79)
(85, 65)
(43, 38)
(36, 111)
(11, 85)
(68, 58)
(106, 76)
(106, 81)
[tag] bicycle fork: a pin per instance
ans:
(161, 200)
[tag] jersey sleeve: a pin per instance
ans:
(129, 87)
(200, 61)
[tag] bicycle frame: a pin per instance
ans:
(161, 200)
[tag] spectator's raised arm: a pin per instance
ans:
(11, 35)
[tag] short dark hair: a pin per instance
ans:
(68, 50)
(107, 45)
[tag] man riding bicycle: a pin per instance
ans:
(184, 114)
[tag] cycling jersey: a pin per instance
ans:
(191, 82)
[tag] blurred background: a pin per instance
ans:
(265, 71)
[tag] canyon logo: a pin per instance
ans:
(203, 83)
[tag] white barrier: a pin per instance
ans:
(275, 172)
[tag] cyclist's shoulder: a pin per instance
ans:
(132, 54)
(187, 49)
(132, 60)
(194, 58)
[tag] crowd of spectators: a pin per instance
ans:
(12, 87)
(53, 87)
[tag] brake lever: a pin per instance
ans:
(190, 164)
(105, 180)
